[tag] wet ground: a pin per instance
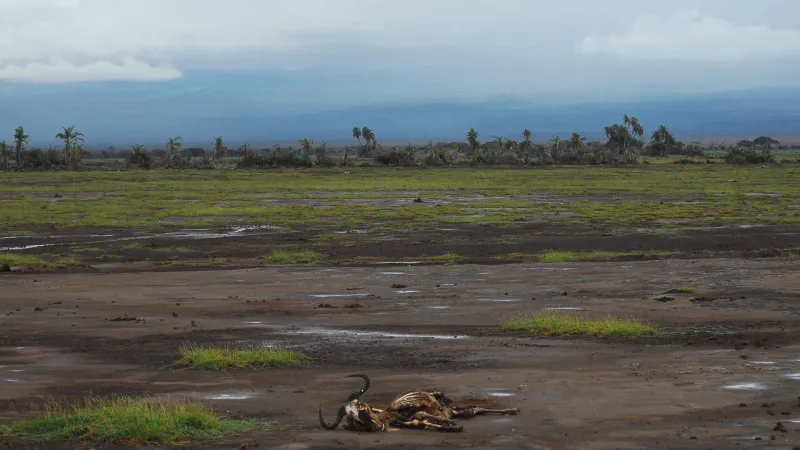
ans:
(722, 374)
(245, 246)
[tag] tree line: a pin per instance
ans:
(624, 144)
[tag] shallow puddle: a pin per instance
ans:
(500, 393)
(564, 308)
(745, 387)
(337, 295)
(399, 262)
(393, 273)
(500, 300)
(379, 334)
(232, 396)
(439, 307)
(405, 292)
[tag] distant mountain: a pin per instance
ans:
(120, 114)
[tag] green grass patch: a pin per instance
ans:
(294, 258)
(223, 357)
(561, 256)
(685, 290)
(556, 323)
(126, 420)
(30, 262)
(446, 258)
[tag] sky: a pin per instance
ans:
(303, 55)
(410, 47)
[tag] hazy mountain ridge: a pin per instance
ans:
(124, 113)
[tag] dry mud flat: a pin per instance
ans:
(723, 373)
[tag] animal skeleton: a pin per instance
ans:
(414, 409)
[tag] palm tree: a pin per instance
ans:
(4, 154)
(556, 142)
(636, 129)
(139, 158)
(663, 139)
(173, 150)
(525, 146)
(472, 139)
(219, 148)
(20, 139)
(357, 135)
(369, 138)
(576, 141)
(71, 139)
(306, 143)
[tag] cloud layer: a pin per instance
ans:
(692, 36)
(445, 47)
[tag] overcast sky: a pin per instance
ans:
(412, 47)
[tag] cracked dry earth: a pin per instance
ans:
(724, 373)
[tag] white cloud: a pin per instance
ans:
(408, 47)
(66, 72)
(692, 36)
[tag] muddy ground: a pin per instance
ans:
(174, 248)
(722, 374)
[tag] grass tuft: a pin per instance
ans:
(558, 256)
(126, 420)
(684, 290)
(27, 262)
(304, 257)
(221, 358)
(554, 323)
(446, 258)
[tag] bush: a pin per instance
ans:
(37, 159)
(739, 155)
(139, 159)
(397, 157)
(283, 159)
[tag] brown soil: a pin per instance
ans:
(701, 383)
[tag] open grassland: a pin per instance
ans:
(645, 193)
(365, 215)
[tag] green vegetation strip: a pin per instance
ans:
(685, 290)
(27, 262)
(557, 323)
(127, 420)
(560, 256)
(666, 195)
(221, 358)
(295, 258)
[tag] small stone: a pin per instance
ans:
(780, 427)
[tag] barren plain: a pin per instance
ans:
(407, 275)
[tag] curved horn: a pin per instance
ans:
(339, 416)
(356, 394)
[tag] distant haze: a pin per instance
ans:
(277, 70)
